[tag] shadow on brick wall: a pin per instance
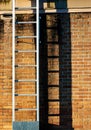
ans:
(43, 75)
(1, 28)
(5, 1)
(65, 73)
(55, 72)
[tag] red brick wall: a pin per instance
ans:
(21, 73)
(65, 54)
(5, 75)
(81, 70)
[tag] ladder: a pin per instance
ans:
(14, 65)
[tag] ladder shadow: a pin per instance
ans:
(1, 28)
(62, 118)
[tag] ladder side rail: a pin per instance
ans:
(13, 60)
(37, 57)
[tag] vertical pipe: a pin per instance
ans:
(13, 60)
(37, 58)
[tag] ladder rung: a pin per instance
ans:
(53, 71)
(25, 50)
(53, 100)
(53, 56)
(25, 94)
(53, 114)
(26, 109)
(25, 36)
(56, 86)
(25, 65)
(27, 22)
(26, 80)
(25, 8)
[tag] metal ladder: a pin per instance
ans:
(14, 65)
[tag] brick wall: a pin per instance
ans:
(22, 58)
(65, 54)
(81, 70)
(5, 75)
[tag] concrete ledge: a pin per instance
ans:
(68, 10)
(26, 125)
(56, 127)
